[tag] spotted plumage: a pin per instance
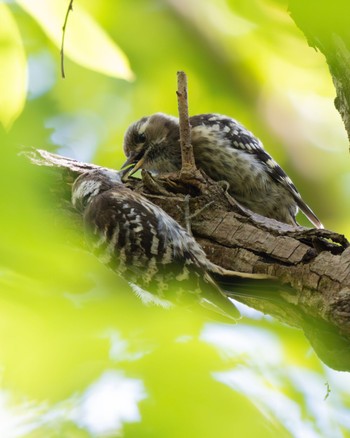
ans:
(226, 151)
(145, 245)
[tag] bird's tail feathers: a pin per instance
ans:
(309, 214)
(214, 299)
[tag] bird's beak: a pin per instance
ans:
(134, 163)
(131, 160)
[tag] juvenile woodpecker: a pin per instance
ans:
(226, 151)
(143, 244)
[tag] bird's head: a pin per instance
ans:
(90, 184)
(152, 143)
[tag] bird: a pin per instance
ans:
(226, 151)
(144, 245)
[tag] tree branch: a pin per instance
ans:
(313, 266)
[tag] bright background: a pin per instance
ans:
(80, 356)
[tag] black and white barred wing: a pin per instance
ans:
(244, 140)
(125, 236)
(148, 248)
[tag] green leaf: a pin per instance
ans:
(13, 75)
(86, 43)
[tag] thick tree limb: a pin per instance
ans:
(313, 266)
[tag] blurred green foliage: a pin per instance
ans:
(80, 355)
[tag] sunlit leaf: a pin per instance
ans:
(13, 77)
(86, 42)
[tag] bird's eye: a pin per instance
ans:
(141, 138)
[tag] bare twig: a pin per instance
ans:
(188, 163)
(40, 157)
(70, 8)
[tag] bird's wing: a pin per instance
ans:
(242, 139)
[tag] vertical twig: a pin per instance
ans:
(188, 163)
(70, 8)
